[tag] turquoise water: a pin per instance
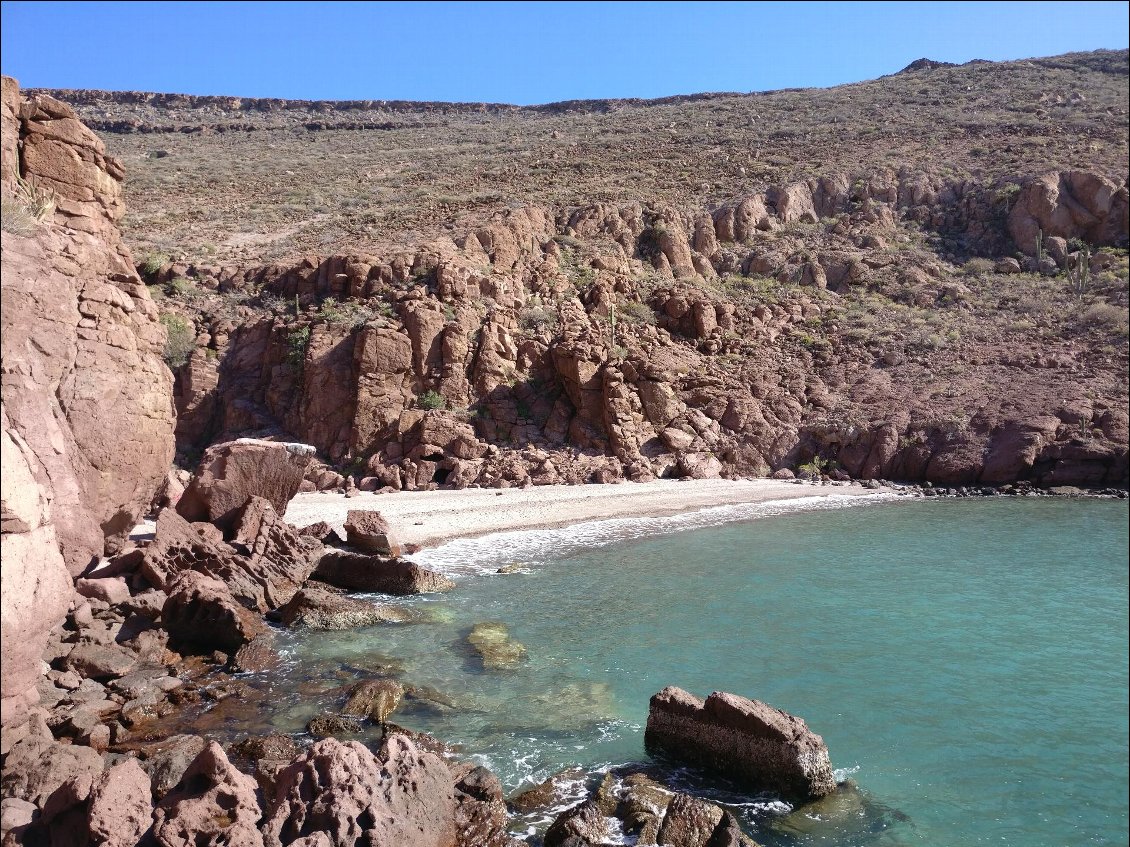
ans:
(965, 660)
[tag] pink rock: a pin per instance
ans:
(121, 805)
(213, 804)
(111, 589)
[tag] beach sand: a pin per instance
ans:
(429, 518)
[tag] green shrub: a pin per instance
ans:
(180, 339)
(634, 312)
(152, 262)
(296, 343)
(431, 400)
(536, 319)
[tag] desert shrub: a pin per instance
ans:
(296, 342)
(180, 339)
(1107, 317)
(15, 218)
(537, 318)
(180, 286)
(349, 313)
(431, 400)
(977, 266)
(28, 205)
(634, 312)
(152, 262)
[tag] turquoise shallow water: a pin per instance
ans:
(965, 660)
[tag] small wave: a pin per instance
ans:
(484, 555)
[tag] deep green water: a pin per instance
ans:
(965, 660)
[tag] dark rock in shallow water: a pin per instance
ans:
(319, 608)
(492, 641)
(583, 824)
(545, 794)
(331, 726)
(847, 814)
(689, 821)
(374, 699)
(747, 740)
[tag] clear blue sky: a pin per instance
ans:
(521, 52)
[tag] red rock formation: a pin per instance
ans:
(748, 740)
(87, 398)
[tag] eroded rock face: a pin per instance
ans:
(744, 739)
(34, 583)
(232, 472)
(80, 337)
(202, 616)
(404, 796)
(212, 804)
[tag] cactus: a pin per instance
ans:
(1080, 273)
(1039, 247)
(612, 322)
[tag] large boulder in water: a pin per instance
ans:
(746, 740)
(234, 471)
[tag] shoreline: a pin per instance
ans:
(428, 519)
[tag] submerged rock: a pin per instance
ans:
(845, 814)
(494, 645)
(331, 726)
(747, 740)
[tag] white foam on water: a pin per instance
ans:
(484, 555)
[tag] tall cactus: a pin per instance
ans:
(1080, 274)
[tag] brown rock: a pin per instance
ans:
(121, 805)
(480, 811)
(403, 796)
(112, 590)
(166, 761)
(584, 824)
(34, 580)
(234, 471)
(369, 532)
(98, 661)
(375, 699)
(213, 801)
(318, 608)
(492, 641)
(36, 769)
(747, 740)
(201, 616)
(688, 822)
(334, 726)
(356, 572)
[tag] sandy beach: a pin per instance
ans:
(428, 518)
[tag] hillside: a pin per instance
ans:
(920, 277)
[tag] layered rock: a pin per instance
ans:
(232, 472)
(357, 572)
(87, 415)
(747, 740)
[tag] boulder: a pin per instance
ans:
(166, 761)
(112, 590)
(121, 805)
(357, 572)
(480, 810)
(201, 616)
(36, 769)
(275, 563)
(212, 804)
(374, 699)
(232, 472)
(368, 531)
(402, 796)
(319, 608)
(100, 661)
(688, 822)
(584, 824)
(746, 740)
(332, 726)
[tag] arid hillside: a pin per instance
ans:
(225, 179)
(920, 277)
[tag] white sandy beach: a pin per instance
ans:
(428, 518)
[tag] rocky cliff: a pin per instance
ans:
(826, 325)
(87, 412)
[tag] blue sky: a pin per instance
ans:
(521, 52)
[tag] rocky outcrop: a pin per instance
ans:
(402, 796)
(747, 740)
(357, 572)
(84, 383)
(87, 417)
(202, 616)
(369, 532)
(1070, 204)
(232, 472)
(213, 803)
(276, 561)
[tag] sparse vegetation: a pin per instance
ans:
(180, 339)
(431, 401)
(297, 340)
(28, 205)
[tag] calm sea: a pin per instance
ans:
(964, 660)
